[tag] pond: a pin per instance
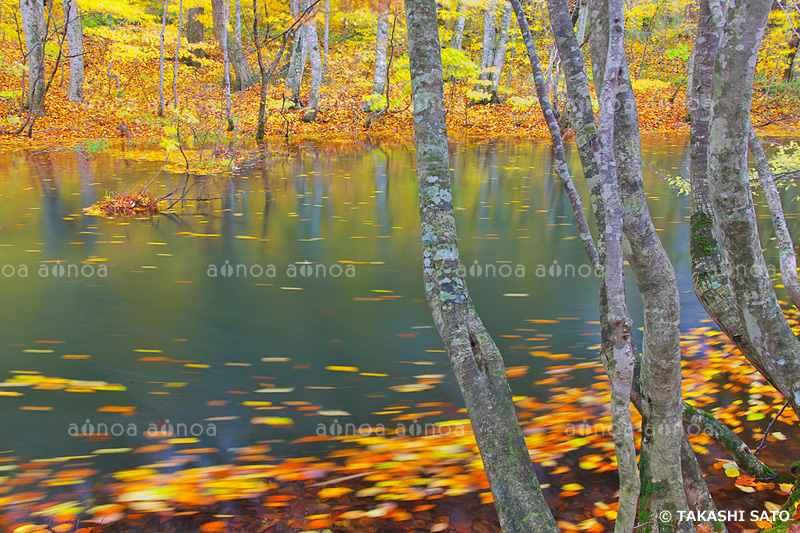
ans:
(279, 305)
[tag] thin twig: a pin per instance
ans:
(769, 428)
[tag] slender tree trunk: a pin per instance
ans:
(732, 201)
(660, 464)
(243, 76)
(500, 51)
(220, 28)
(297, 62)
(617, 319)
(74, 30)
(177, 55)
(310, 29)
(265, 75)
(161, 62)
(475, 359)
(487, 53)
(379, 78)
(237, 18)
(788, 260)
(458, 27)
(35, 30)
(326, 38)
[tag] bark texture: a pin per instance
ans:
(500, 51)
(381, 63)
(310, 30)
(474, 357)
(195, 31)
(161, 62)
(74, 29)
(660, 465)
(617, 318)
(732, 202)
(297, 61)
(243, 76)
(35, 30)
(788, 260)
(177, 56)
(458, 27)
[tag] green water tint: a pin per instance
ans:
(290, 305)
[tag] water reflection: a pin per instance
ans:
(194, 348)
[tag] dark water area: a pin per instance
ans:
(304, 278)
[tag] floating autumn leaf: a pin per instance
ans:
(272, 420)
(342, 368)
(333, 492)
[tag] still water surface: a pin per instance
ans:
(313, 263)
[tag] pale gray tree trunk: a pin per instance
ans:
(618, 320)
(326, 38)
(475, 359)
(500, 51)
(297, 62)
(458, 28)
(243, 76)
(732, 202)
(177, 55)
(35, 30)
(488, 49)
(709, 268)
(237, 17)
(161, 62)
(310, 29)
(788, 260)
(381, 45)
(220, 13)
(662, 414)
(74, 30)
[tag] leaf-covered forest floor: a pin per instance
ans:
(374, 482)
(130, 116)
(407, 481)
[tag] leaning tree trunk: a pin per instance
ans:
(243, 76)
(310, 29)
(74, 29)
(662, 413)
(709, 268)
(381, 45)
(500, 52)
(788, 260)
(237, 24)
(732, 201)
(35, 30)
(475, 359)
